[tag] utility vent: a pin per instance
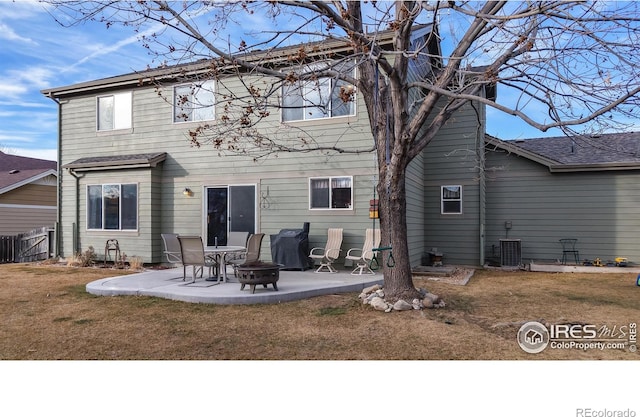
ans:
(510, 252)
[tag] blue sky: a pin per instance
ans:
(37, 53)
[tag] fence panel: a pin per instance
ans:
(8, 249)
(34, 245)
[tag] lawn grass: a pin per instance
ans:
(47, 315)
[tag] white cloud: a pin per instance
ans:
(7, 33)
(48, 154)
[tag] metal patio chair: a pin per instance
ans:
(172, 251)
(192, 251)
(252, 253)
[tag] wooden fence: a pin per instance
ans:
(35, 245)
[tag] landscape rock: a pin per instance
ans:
(435, 299)
(371, 289)
(427, 303)
(379, 304)
(402, 305)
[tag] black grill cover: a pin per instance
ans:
(290, 248)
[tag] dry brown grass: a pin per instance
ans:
(48, 315)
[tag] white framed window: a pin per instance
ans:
(194, 102)
(451, 199)
(112, 207)
(331, 193)
(114, 111)
(319, 98)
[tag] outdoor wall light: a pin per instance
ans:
(187, 191)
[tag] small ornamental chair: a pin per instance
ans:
(362, 257)
(192, 251)
(251, 255)
(172, 251)
(330, 252)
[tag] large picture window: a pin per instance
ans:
(451, 199)
(112, 207)
(194, 102)
(318, 98)
(114, 111)
(330, 193)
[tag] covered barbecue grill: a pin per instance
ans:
(290, 248)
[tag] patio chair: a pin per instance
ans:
(172, 251)
(330, 252)
(252, 254)
(236, 239)
(192, 251)
(569, 249)
(362, 257)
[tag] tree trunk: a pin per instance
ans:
(398, 280)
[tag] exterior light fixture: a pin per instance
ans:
(187, 191)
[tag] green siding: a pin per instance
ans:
(600, 209)
(451, 159)
(163, 207)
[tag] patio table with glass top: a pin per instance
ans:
(219, 254)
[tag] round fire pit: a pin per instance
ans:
(258, 273)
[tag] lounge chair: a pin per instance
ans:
(172, 251)
(330, 252)
(362, 257)
(192, 251)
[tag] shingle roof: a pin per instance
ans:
(16, 169)
(117, 161)
(605, 151)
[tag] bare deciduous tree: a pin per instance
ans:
(557, 64)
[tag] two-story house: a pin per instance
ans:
(128, 171)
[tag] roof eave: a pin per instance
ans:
(29, 180)
(617, 166)
(116, 164)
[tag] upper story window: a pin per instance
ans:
(330, 193)
(112, 207)
(114, 111)
(320, 97)
(194, 102)
(451, 199)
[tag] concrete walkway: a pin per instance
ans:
(292, 285)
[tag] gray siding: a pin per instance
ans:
(600, 209)
(451, 159)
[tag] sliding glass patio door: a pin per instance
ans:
(229, 208)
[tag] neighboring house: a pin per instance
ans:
(129, 173)
(28, 194)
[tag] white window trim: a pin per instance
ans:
(120, 230)
(330, 179)
(173, 102)
(442, 200)
(316, 119)
(128, 106)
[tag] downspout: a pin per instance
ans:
(481, 183)
(76, 224)
(59, 179)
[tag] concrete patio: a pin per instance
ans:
(292, 285)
